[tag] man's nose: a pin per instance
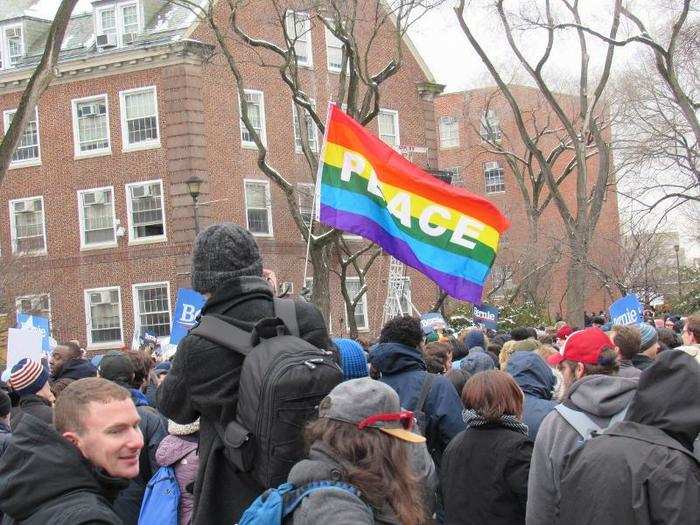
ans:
(135, 439)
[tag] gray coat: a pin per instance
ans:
(600, 397)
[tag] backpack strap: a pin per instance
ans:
(285, 309)
(428, 381)
(583, 424)
(222, 333)
(293, 498)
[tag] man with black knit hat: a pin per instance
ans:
(30, 381)
(204, 378)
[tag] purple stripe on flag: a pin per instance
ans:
(457, 287)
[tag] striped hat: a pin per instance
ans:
(28, 377)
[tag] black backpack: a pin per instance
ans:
(283, 380)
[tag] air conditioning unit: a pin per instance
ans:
(139, 192)
(101, 197)
(87, 110)
(488, 166)
(107, 40)
(128, 38)
(98, 298)
(20, 207)
(15, 32)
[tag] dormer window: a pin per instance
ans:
(11, 46)
(117, 25)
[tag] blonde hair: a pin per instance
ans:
(507, 350)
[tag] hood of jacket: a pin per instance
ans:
(233, 290)
(139, 398)
(393, 358)
(601, 395)
(77, 369)
(39, 466)
(668, 397)
(533, 375)
(173, 448)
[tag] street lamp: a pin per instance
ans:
(194, 185)
(678, 268)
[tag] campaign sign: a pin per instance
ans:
(627, 310)
(432, 321)
(23, 344)
(487, 316)
(189, 304)
(39, 324)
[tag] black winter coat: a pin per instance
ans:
(642, 470)
(483, 476)
(34, 405)
(45, 479)
(5, 436)
(203, 382)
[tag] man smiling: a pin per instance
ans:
(72, 474)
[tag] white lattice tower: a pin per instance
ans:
(395, 289)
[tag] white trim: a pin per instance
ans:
(328, 35)
(145, 240)
(314, 127)
(77, 153)
(309, 64)
(246, 144)
(31, 296)
(14, 164)
(13, 233)
(88, 319)
(118, 8)
(147, 144)
(135, 302)
(5, 47)
(441, 139)
(268, 205)
(96, 246)
(365, 326)
(395, 114)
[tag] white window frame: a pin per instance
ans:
(88, 318)
(5, 45)
(13, 232)
(147, 144)
(6, 125)
(20, 298)
(331, 43)
(395, 116)
(313, 198)
(493, 166)
(145, 240)
(247, 144)
(268, 205)
(76, 134)
(448, 142)
(135, 300)
(490, 124)
(118, 9)
(308, 40)
(96, 246)
(365, 326)
(297, 137)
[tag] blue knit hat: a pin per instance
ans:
(353, 358)
(648, 336)
(28, 377)
(475, 338)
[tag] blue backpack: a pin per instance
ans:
(276, 504)
(161, 501)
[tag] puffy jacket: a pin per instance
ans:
(642, 470)
(72, 371)
(34, 405)
(45, 479)
(600, 397)
(404, 370)
(536, 380)
(180, 452)
(5, 436)
(203, 383)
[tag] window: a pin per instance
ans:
(490, 128)
(152, 308)
(311, 129)
(139, 112)
(117, 26)
(97, 220)
(353, 286)
(144, 201)
(258, 207)
(103, 316)
(305, 192)
(388, 123)
(39, 304)
(27, 226)
(11, 46)
(493, 173)
(334, 52)
(298, 27)
(27, 152)
(255, 103)
(405, 300)
(449, 132)
(91, 126)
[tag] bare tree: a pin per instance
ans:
(40, 80)
(358, 25)
(586, 131)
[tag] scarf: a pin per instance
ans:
(475, 420)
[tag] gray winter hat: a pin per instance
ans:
(222, 252)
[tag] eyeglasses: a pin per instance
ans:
(405, 417)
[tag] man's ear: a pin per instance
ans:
(74, 438)
(580, 370)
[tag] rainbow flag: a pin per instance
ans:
(367, 188)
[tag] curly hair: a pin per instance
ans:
(402, 329)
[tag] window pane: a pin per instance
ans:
(495, 181)
(108, 20)
(449, 132)
(130, 19)
(490, 128)
(255, 195)
(34, 305)
(93, 133)
(310, 128)
(104, 316)
(353, 287)
(257, 221)
(387, 128)
(153, 310)
(98, 217)
(147, 211)
(140, 110)
(28, 147)
(299, 31)
(306, 202)
(14, 44)
(29, 226)
(253, 102)
(334, 51)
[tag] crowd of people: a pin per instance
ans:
(262, 417)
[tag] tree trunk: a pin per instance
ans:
(576, 285)
(320, 294)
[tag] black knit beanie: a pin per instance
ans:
(221, 252)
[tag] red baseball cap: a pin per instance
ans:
(584, 346)
(564, 332)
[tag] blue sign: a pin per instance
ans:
(189, 304)
(627, 310)
(431, 322)
(486, 316)
(38, 323)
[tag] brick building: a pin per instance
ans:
(477, 131)
(97, 222)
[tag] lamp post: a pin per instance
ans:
(678, 268)
(194, 185)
